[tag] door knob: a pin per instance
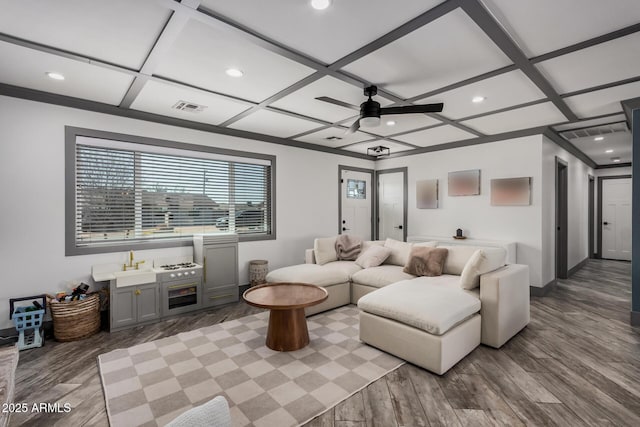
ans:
(398, 227)
(605, 223)
(345, 229)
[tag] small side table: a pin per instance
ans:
(287, 323)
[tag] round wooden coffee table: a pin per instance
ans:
(287, 323)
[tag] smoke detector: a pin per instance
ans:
(188, 106)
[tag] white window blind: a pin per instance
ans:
(137, 195)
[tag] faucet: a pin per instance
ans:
(131, 264)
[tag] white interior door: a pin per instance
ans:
(391, 206)
(616, 219)
(355, 192)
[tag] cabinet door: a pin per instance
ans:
(123, 307)
(148, 302)
(220, 266)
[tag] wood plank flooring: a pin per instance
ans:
(577, 363)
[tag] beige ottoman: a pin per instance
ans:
(430, 326)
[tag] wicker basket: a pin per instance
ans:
(75, 320)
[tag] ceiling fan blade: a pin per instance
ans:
(336, 102)
(354, 127)
(408, 109)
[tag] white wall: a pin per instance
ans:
(32, 250)
(474, 214)
(578, 213)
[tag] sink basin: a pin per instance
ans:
(134, 277)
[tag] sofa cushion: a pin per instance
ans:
(417, 303)
(324, 249)
(399, 252)
(322, 275)
(459, 255)
(373, 256)
(380, 276)
(368, 243)
(426, 261)
(470, 277)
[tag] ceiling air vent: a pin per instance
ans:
(188, 106)
(333, 138)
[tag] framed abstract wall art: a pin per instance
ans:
(511, 191)
(464, 183)
(427, 194)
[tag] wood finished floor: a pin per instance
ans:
(577, 363)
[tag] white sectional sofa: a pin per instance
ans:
(432, 322)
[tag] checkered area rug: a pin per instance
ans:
(150, 384)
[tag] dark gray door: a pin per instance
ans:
(592, 189)
(561, 219)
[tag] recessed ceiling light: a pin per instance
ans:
(598, 138)
(234, 72)
(616, 160)
(54, 76)
(609, 151)
(391, 122)
(478, 99)
(320, 4)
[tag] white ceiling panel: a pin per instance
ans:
(619, 142)
(320, 137)
(403, 123)
(522, 118)
(111, 31)
(594, 122)
(394, 147)
(303, 100)
(326, 35)
(448, 50)
(26, 67)
(202, 54)
(603, 101)
(542, 26)
(603, 63)
(158, 98)
(272, 123)
(435, 136)
(504, 90)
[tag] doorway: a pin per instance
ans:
(614, 217)
(561, 218)
(591, 202)
(391, 209)
(355, 202)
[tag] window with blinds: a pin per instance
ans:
(133, 193)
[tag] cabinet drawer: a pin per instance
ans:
(220, 296)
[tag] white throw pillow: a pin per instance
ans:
(426, 244)
(373, 256)
(399, 252)
(324, 249)
(470, 277)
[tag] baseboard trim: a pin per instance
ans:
(635, 318)
(536, 291)
(578, 266)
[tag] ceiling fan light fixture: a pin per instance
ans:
(378, 151)
(370, 122)
(320, 4)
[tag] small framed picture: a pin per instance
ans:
(511, 191)
(464, 183)
(427, 194)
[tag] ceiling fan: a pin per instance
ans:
(370, 110)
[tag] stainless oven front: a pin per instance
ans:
(181, 296)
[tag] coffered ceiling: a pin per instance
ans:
(562, 64)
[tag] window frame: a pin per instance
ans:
(71, 248)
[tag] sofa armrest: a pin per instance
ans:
(504, 294)
(309, 256)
